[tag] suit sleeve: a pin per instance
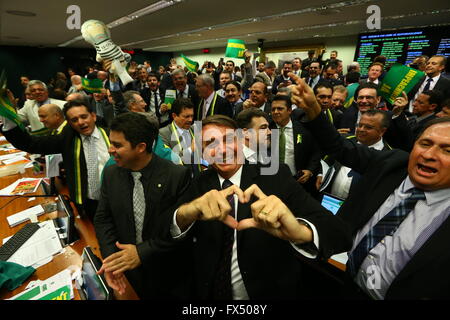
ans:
(333, 232)
(105, 228)
(347, 152)
(36, 144)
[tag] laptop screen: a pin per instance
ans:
(66, 221)
(331, 203)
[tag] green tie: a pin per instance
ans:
(282, 151)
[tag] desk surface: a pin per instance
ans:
(71, 255)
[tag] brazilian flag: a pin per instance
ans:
(92, 86)
(7, 108)
(235, 49)
(190, 64)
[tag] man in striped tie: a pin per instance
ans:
(399, 216)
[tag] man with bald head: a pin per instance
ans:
(29, 112)
(52, 117)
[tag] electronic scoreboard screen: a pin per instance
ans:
(402, 45)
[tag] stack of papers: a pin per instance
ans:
(58, 287)
(24, 215)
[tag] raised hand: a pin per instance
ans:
(399, 104)
(273, 216)
(303, 96)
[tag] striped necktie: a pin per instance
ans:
(386, 226)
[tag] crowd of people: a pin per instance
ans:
(183, 200)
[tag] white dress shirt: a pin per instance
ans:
(342, 182)
(289, 157)
(432, 84)
(29, 112)
(207, 104)
(102, 155)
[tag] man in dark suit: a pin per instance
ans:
(283, 79)
(314, 71)
(297, 148)
(424, 108)
(84, 148)
(366, 97)
(136, 194)
(399, 220)
(256, 263)
(324, 94)
(211, 103)
(369, 132)
(259, 98)
(433, 80)
(140, 83)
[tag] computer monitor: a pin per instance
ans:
(94, 286)
(65, 221)
(331, 202)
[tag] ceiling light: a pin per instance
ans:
(133, 16)
(21, 13)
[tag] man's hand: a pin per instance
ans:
(319, 182)
(117, 282)
(343, 130)
(126, 259)
(307, 174)
(248, 104)
(163, 108)
(303, 97)
(213, 205)
(273, 216)
(399, 104)
(12, 98)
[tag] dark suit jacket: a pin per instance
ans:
(135, 85)
(166, 81)
(268, 265)
(192, 94)
(63, 143)
(349, 118)
(158, 276)
(279, 80)
(221, 106)
(426, 274)
(267, 108)
(108, 112)
(443, 85)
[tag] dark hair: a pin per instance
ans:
(284, 98)
(434, 97)
(352, 77)
(385, 120)
(380, 59)
(431, 123)
(367, 85)
(77, 103)
(136, 129)
(220, 120)
(245, 117)
(234, 83)
(287, 62)
(181, 103)
(153, 74)
(323, 84)
(231, 62)
(377, 64)
(446, 103)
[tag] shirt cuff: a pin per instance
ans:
(309, 250)
(7, 124)
(175, 231)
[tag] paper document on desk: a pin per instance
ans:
(21, 186)
(42, 245)
(12, 155)
(58, 287)
(24, 215)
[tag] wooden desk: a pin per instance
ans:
(72, 254)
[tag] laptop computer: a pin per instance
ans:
(65, 221)
(331, 202)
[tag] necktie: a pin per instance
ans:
(155, 95)
(427, 86)
(138, 205)
(222, 282)
(92, 168)
(203, 109)
(311, 80)
(282, 149)
(180, 94)
(386, 226)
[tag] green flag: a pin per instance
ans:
(7, 109)
(190, 64)
(235, 49)
(92, 86)
(399, 78)
(350, 94)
